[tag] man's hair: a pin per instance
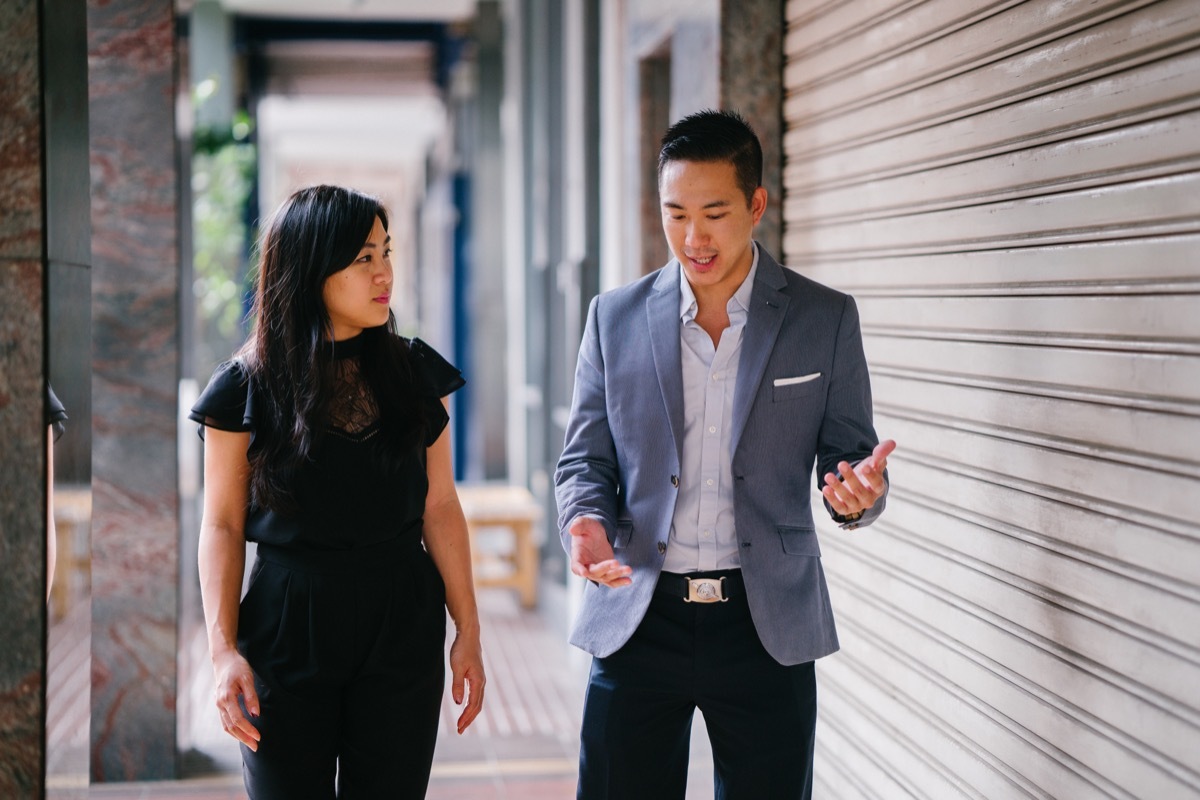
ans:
(709, 136)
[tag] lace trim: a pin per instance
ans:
(353, 412)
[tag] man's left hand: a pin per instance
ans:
(860, 486)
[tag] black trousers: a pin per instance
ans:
(348, 654)
(761, 716)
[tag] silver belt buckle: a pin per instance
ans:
(705, 590)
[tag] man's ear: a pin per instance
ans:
(758, 204)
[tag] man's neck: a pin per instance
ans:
(712, 299)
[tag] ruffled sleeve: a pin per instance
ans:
(436, 377)
(225, 403)
(56, 415)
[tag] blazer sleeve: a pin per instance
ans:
(847, 431)
(587, 478)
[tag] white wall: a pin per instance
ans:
(1012, 193)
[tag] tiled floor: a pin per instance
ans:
(523, 747)
(230, 788)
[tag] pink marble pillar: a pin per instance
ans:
(22, 425)
(135, 356)
(22, 523)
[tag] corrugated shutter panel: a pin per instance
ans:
(1011, 190)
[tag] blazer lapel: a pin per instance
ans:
(768, 306)
(662, 317)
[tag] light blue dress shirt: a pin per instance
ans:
(702, 529)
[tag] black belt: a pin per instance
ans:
(702, 587)
(377, 555)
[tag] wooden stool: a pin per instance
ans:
(72, 524)
(488, 505)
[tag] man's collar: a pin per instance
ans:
(687, 297)
(742, 295)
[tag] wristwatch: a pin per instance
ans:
(850, 521)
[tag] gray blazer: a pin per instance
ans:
(625, 433)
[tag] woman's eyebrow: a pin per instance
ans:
(372, 245)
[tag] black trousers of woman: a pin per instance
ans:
(347, 649)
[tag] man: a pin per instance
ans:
(704, 394)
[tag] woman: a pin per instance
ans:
(56, 416)
(327, 445)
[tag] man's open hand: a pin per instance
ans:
(860, 486)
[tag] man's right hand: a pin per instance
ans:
(592, 554)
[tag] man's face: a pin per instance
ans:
(708, 223)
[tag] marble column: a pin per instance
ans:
(22, 425)
(135, 358)
(22, 519)
(752, 34)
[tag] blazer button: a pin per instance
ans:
(662, 548)
(675, 481)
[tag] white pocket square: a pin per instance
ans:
(799, 379)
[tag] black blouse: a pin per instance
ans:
(345, 499)
(56, 415)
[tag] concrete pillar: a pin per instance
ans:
(211, 65)
(22, 427)
(44, 255)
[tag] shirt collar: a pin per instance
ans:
(687, 297)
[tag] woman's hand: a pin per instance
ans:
(446, 539)
(235, 679)
(466, 666)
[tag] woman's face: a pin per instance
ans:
(357, 297)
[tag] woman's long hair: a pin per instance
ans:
(316, 233)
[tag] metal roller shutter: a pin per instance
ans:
(1011, 190)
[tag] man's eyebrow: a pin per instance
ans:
(713, 204)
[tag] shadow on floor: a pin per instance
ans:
(523, 747)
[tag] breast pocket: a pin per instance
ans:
(792, 388)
